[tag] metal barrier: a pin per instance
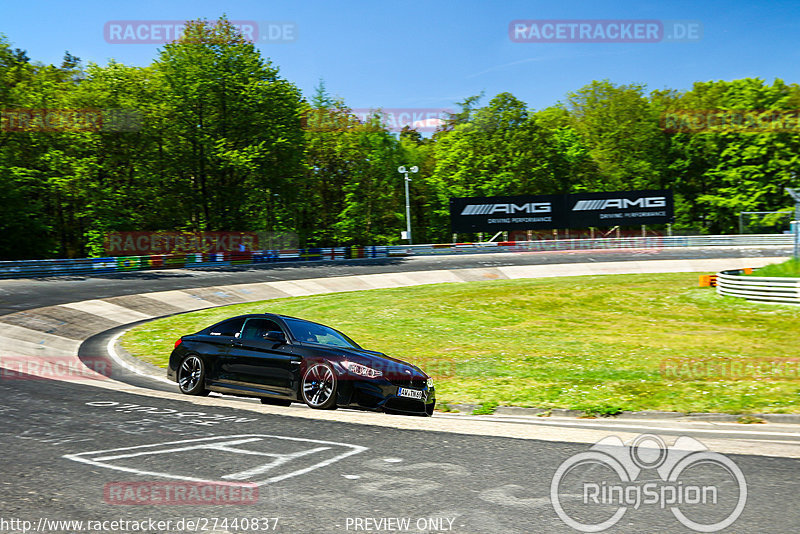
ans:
(92, 266)
(546, 245)
(779, 290)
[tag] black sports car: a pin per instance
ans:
(283, 359)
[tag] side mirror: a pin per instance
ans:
(276, 336)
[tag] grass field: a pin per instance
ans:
(789, 268)
(596, 343)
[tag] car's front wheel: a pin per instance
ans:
(319, 387)
(192, 376)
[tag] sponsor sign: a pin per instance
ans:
(487, 214)
(622, 208)
(579, 210)
(144, 243)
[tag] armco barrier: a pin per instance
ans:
(90, 266)
(551, 245)
(778, 290)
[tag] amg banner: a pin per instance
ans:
(578, 210)
(491, 214)
(623, 208)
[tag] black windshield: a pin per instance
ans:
(317, 333)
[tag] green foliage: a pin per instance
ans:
(223, 142)
(350, 195)
(487, 408)
(719, 172)
(750, 420)
(790, 268)
(231, 126)
(602, 409)
(619, 126)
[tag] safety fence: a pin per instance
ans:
(775, 289)
(601, 243)
(106, 265)
(92, 266)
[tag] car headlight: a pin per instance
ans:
(362, 370)
(430, 383)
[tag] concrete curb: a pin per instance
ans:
(644, 414)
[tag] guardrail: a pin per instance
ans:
(545, 245)
(775, 289)
(93, 266)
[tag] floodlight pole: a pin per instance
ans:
(795, 193)
(404, 171)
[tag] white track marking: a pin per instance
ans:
(112, 352)
(99, 458)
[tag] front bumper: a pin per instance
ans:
(383, 395)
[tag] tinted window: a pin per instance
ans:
(257, 328)
(227, 328)
(316, 333)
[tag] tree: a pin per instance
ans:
(620, 127)
(502, 150)
(231, 128)
(721, 171)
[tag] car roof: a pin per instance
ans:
(279, 315)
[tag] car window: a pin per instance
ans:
(317, 333)
(227, 328)
(257, 328)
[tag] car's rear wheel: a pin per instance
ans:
(319, 387)
(192, 376)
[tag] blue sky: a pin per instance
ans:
(430, 54)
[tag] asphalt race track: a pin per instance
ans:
(484, 484)
(16, 295)
(62, 439)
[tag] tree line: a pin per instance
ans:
(211, 137)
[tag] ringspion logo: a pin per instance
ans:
(703, 490)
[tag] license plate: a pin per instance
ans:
(409, 393)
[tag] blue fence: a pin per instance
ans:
(94, 266)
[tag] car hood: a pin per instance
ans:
(380, 360)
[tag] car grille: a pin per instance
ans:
(406, 383)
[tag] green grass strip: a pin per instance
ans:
(594, 343)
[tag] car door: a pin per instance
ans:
(218, 341)
(264, 364)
